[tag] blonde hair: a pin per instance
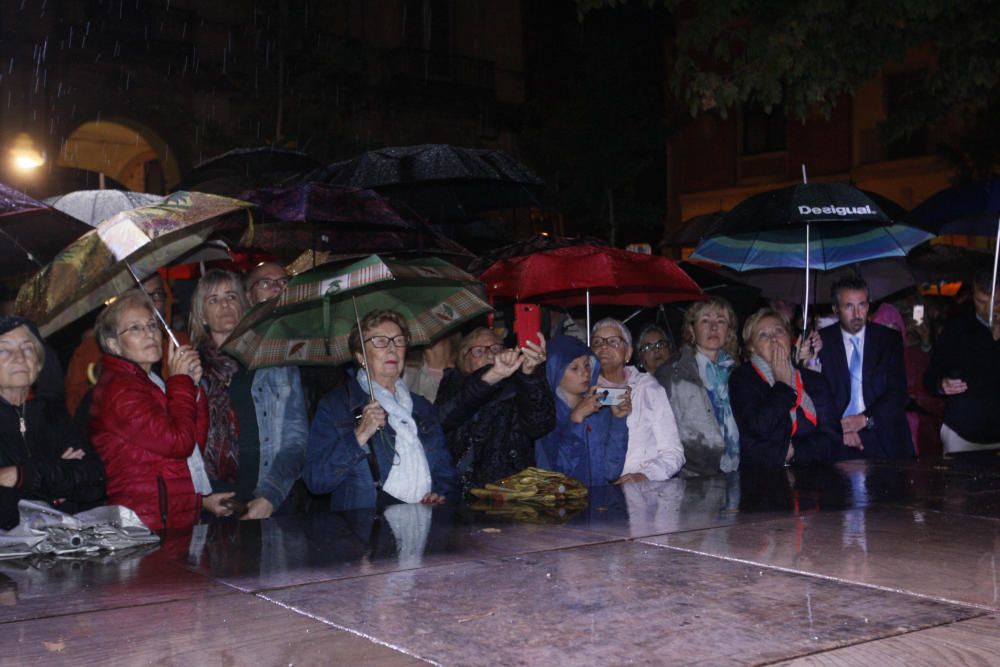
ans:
(197, 326)
(691, 315)
(754, 320)
(108, 321)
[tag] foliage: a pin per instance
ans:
(807, 54)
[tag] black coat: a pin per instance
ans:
(42, 474)
(761, 413)
(883, 384)
(966, 351)
(491, 429)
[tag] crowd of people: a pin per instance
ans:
(185, 433)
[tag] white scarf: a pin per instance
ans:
(196, 464)
(409, 478)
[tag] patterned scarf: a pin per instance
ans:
(715, 375)
(802, 399)
(222, 451)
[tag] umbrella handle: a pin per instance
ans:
(364, 353)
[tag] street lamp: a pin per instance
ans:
(24, 156)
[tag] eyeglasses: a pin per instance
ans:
(383, 341)
(774, 334)
(151, 326)
(159, 295)
(270, 283)
(658, 345)
(477, 351)
(614, 342)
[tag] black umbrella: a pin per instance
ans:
(244, 169)
(32, 233)
(439, 182)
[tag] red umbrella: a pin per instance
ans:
(585, 274)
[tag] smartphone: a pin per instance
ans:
(527, 323)
(918, 313)
(610, 395)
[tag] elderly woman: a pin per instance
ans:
(653, 349)
(371, 453)
(654, 446)
(145, 429)
(784, 415)
(41, 457)
(257, 419)
(590, 438)
(494, 406)
(697, 383)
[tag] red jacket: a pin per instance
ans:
(143, 435)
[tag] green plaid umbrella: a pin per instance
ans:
(309, 323)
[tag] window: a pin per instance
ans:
(764, 132)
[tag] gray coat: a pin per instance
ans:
(699, 429)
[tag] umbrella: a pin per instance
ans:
(810, 225)
(309, 323)
(31, 233)
(971, 209)
(536, 243)
(100, 264)
(884, 277)
(341, 220)
(92, 206)
(243, 169)
(440, 182)
(585, 274)
(733, 287)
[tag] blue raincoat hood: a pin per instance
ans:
(560, 353)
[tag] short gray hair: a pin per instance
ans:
(612, 322)
(108, 321)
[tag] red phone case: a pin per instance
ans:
(527, 322)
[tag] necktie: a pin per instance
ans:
(854, 407)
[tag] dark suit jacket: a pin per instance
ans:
(883, 383)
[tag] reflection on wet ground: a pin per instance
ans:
(826, 565)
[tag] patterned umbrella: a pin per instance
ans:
(310, 322)
(93, 206)
(96, 267)
(31, 233)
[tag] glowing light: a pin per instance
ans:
(24, 155)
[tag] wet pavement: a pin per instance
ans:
(850, 565)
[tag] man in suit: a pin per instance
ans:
(863, 366)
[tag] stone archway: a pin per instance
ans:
(127, 151)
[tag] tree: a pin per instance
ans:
(806, 54)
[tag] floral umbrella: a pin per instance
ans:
(127, 247)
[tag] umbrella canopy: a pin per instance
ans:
(244, 169)
(536, 243)
(768, 230)
(440, 182)
(309, 324)
(884, 277)
(731, 286)
(341, 220)
(970, 209)
(92, 206)
(32, 233)
(95, 267)
(572, 275)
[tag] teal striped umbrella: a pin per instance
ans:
(812, 226)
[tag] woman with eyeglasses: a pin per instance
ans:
(257, 418)
(144, 428)
(654, 446)
(590, 439)
(494, 406)
(785, 415)
(654, 348)
(697, 383)
(373, 453)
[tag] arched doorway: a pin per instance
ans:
(123, 150)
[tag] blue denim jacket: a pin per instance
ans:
(338, 465)
(280, 405)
